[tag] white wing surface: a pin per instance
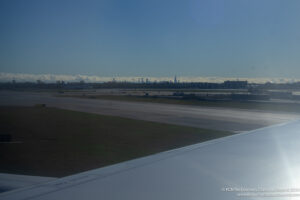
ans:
(253, 165)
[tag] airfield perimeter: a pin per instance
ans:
(226, 119)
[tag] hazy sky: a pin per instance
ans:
(234, 38)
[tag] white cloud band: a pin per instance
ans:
(50, 78)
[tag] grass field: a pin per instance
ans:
(55, 142)
(266, 106)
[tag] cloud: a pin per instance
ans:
(51, 78)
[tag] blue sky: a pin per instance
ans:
(227, 38)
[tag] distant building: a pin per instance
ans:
(235, 84)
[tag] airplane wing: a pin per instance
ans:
(252, 165)
(12, 181)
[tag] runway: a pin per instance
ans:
(237, 120)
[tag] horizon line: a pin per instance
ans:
(49, 78)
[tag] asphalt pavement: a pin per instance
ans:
(237, 120)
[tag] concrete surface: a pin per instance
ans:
(229, 119)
